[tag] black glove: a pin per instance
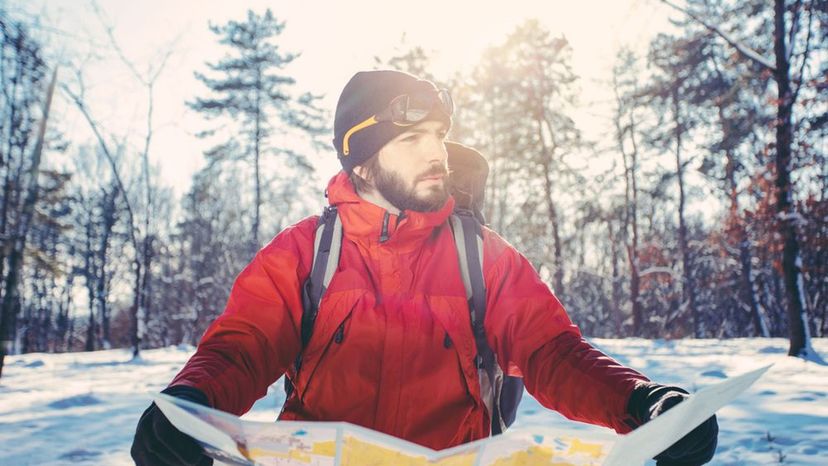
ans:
(158, 442)
(650, 400)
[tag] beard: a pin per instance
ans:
(393, 188)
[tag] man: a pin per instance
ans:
(392, 347)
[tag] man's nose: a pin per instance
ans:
(436, 150)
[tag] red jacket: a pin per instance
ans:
(392, 348)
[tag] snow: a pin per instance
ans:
(82, 408)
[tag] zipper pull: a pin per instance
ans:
(447, 341)
(340, 333)
(384, 232)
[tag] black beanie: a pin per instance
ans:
(366, 94)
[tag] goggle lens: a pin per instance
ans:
(412, 108)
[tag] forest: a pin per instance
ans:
(702, 211)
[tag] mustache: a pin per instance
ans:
(436, 169)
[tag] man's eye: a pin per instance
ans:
(411, 138)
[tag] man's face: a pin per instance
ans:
(413, 169)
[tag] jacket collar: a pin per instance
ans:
(365, 222)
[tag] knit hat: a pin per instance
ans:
(366, 94)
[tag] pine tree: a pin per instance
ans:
(209, 255)
(252, 89)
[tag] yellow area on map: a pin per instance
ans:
(325, 449)
(292, 455)
(545, 456)
(532, 456)
(355, 452)
(595, 450)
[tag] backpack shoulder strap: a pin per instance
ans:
(327, 244)
(469, 245)
(326, 248)
(494, 384)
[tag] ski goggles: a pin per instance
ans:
(405, 110)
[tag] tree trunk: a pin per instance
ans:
(617, 319)
(787, 217)
(145, 243)
(91, 332)
(90, 279)
(552, 210)
(688, 289)
(8, 313)
(65, 333)
(257, 137)
(738, 227)
(137, 310)
(102, 278)
(631, 220)
(145, 278)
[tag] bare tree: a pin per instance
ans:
(148, 81)
(139, 235)
(788, 85)
(626, 134)
(11, 293)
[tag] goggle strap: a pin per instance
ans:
(346, 148)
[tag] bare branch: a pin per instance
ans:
(93, 125)
(110, 33)
(148, 81)
(743, 49)
(151, 76)
(797, 10)
(800, 79)
(154, 76)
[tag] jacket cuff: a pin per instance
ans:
(644, 396)
(188, 393)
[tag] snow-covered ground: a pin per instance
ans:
(83, 407)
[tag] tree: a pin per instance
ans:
(544, 64)
(131, 200)
(252, 89)
(625, 87)
(25, 126)
(728, 123)
(789, 78)
(97, 211)
(44, 279)
(143, 251)
(677, 64)
(516, 112)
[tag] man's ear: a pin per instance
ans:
(362, 172)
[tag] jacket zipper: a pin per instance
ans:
(384, 233)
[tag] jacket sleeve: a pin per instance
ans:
(256, 339)
(530, 331)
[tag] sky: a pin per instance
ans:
(335, 39)
(67, 408)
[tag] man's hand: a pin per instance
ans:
(650, 400)
(158, 442)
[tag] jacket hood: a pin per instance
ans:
(363, 221)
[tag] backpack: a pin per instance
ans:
(501, 393)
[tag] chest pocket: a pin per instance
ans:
(330, 331)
